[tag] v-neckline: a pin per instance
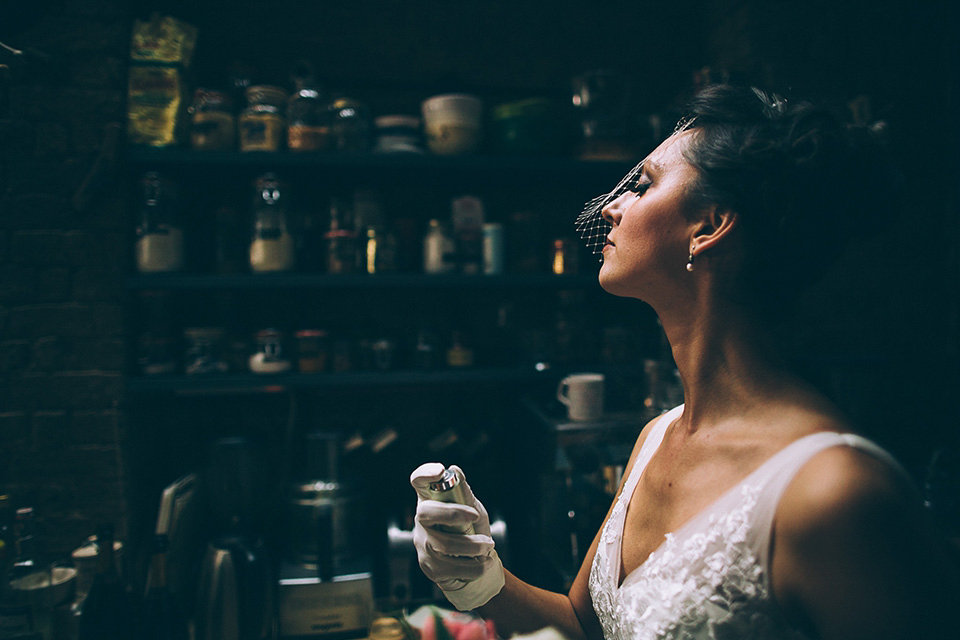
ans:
(622, 578)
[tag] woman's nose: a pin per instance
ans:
(614, 209)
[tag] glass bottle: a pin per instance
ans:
(107, 612)
(159, 244)
(162, 618)
(308, 119)
(212, 123)
(438, 249)
(341, 239)
(272, 247)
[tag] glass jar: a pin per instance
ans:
(263, 124)
(313, 350)
(271, 353)
(350, 125)
(272, 246)
(159, 243)
(212, 123)
(308, 121)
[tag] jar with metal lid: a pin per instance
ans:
(308, 121)
(271, 353)
(212, 123)
(263, 124)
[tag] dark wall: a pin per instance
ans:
(883, 330)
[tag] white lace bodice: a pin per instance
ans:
(710, 577)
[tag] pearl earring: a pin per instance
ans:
(690, 259)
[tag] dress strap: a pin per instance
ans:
(777, 473)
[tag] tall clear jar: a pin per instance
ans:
(308, 120)
(263, 123)
(272, 245)
(159, 236)
(212, 123)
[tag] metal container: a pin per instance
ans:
(449, 489)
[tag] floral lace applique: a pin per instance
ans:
(704, 581)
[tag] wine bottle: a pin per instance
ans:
(162, 618)
(107, 613)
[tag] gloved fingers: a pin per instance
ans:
(446, 570)
(436, 542)
(424, 475)
(450, 514)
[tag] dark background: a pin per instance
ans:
(882, 330)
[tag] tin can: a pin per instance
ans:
(493, 258)
(449, 488)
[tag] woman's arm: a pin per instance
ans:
(854, 555)
(523, 608)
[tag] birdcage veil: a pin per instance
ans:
(590, 224)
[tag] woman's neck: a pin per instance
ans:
(727, 363)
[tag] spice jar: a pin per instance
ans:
(212, 123)
(312, 350)
(159, 244)
(271, 353)
(308, 121)
(341, 240)
(262, 123)
(271, 248)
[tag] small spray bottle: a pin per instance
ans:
(449, 488)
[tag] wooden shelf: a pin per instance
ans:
(173, 281)
(224, 384)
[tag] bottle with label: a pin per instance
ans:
(162, 617)
(272, 247)
(438, 249)
(159, 244)
(107, 611)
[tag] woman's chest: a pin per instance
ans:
(671, 493)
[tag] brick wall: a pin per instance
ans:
(61, 266)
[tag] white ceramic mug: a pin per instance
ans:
(582, 393)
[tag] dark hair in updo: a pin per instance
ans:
(801, 180)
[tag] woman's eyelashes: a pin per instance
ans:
(639, 185)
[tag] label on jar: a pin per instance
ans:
(260, 132)
(302, 137)
(212, 130)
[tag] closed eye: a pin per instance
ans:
(639, 185)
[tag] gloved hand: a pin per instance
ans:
(466, 567)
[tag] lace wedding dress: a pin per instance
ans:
(710, 578)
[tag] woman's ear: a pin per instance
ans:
(713, 227)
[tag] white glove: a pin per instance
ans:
(466, 567)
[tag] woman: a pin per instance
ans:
(750, 511)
